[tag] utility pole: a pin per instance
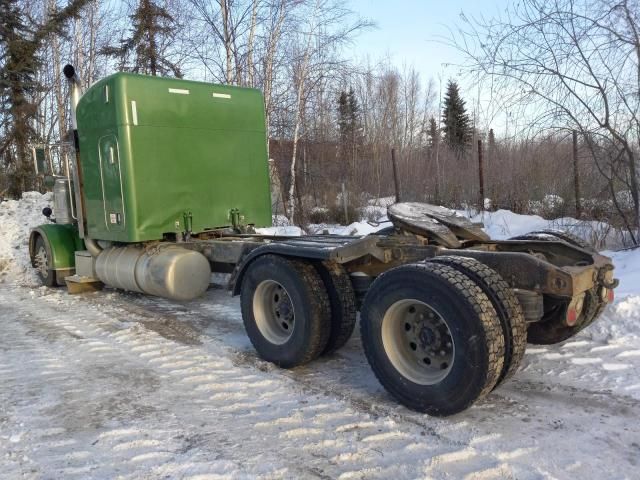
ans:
(576, 177)
(437, 192)
(481, 175)
(345, 204)
(396, 184)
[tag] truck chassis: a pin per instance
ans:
(441, 326)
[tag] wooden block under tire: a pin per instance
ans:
(78, 284)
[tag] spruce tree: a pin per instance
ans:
(21, 39)
(343, 116)
(152, 25)
(433, 135)
(492, 144)
(348, 126)
(354, 114)
(348, 115)
(456, 124)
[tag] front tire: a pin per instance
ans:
(432, 338)
(285, 310)
(42, 262)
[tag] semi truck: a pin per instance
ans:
(168, 180)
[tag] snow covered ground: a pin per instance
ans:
(119, 385)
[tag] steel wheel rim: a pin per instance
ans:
(42, 262)
(273, 312)
(418, 341)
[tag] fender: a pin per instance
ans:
(312, 248)
(238, 272)
(62, 240)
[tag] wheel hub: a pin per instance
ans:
(418, 341)
(428, 337)
(284, 307)
(273, 312)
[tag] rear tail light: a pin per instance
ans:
(606, 294)
(610, 295)
(574, 310)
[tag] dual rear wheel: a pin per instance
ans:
(441, 334)
(294, 311)
(438, 335)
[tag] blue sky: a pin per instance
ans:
(407, 30)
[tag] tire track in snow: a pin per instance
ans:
(291, 433)
(541, 407)
(217, 408)
(191, 323)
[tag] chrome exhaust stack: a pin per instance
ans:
(76, 92)
(75, 86)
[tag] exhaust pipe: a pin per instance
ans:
(92, 246)
(75, 86)
(76, 92)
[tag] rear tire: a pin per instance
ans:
(506, 304)
(342, 302)
(416, 314)
(42, 262)
(285, 310)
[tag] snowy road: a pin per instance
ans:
(119, 385)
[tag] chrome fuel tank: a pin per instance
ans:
(170, 271)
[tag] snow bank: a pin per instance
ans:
(503, 224)
(622, 319)
(620, 323)
(356, 228)
(281, 230)
(284, 228)
(627, 270)
(17, 218)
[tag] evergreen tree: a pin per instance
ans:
(349, 126)
(433, 135)
(456, 129)
(348, 116)
(343, 116)
(354, 114)
(152, 27)
(21, 39)
(492, 144)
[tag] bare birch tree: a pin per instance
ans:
(300, 78)
(572, 64)
(325, 26)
